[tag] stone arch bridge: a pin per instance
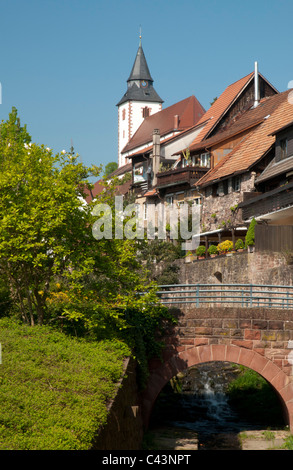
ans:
(257, 333)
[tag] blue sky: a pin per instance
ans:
(64, 63)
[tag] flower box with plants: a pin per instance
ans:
(201, 251)
(213, 251)
(225, 247)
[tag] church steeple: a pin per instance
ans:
(140, 70)
(140, 101)
(140, 82)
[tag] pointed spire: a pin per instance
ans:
(140, 82)
(140, 70)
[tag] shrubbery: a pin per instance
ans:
(249, 239)
(54, 389)
(254, 397)
(201, 250)
(239, 245)
(213, 250)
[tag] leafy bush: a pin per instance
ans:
(212, 250)
(201, 250)
(252, 396)
(239, 245)
(54, 389)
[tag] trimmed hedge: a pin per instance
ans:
(54, 389)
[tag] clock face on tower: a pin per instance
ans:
(144, 84)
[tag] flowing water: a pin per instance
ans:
(203, 407)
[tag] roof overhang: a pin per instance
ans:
(276, 216)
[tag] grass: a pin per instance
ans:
(54, 389)
(288, 444)
(254, 398)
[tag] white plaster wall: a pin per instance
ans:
(123, 126)
(136, 115)
(133, 120)
(181, 143)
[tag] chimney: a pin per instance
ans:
(256, 85)
(176, 122)
(156, 154)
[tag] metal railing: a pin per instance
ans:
(241, 295)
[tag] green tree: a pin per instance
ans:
(43, 218)
(109, 168)
(57, 271)
(55, 268)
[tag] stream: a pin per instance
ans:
(202, 406)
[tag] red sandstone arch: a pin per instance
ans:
(161, 375)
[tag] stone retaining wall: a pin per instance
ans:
(124, 429)
(246, 268)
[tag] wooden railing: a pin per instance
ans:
(268, 202)
(189, 174)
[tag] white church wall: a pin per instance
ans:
(130, 117)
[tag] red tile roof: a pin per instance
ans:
(221, 106)
(120, 190)
(255, 145)
(251, 118)
(189, 110)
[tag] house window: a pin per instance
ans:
(169, 200)
(283, 147)
(222, 189)
(225, 187)
(205, 160)
(236, 183)
(196, 201)
(215, 190)
(123, 114)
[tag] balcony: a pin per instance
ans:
(187, 175)
(269, 203)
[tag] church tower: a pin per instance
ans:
(140, 101)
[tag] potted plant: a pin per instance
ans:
(225, 247)
(189, 257)
(213, 251)
(239, 245)
(201, 251)
(249, 239)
